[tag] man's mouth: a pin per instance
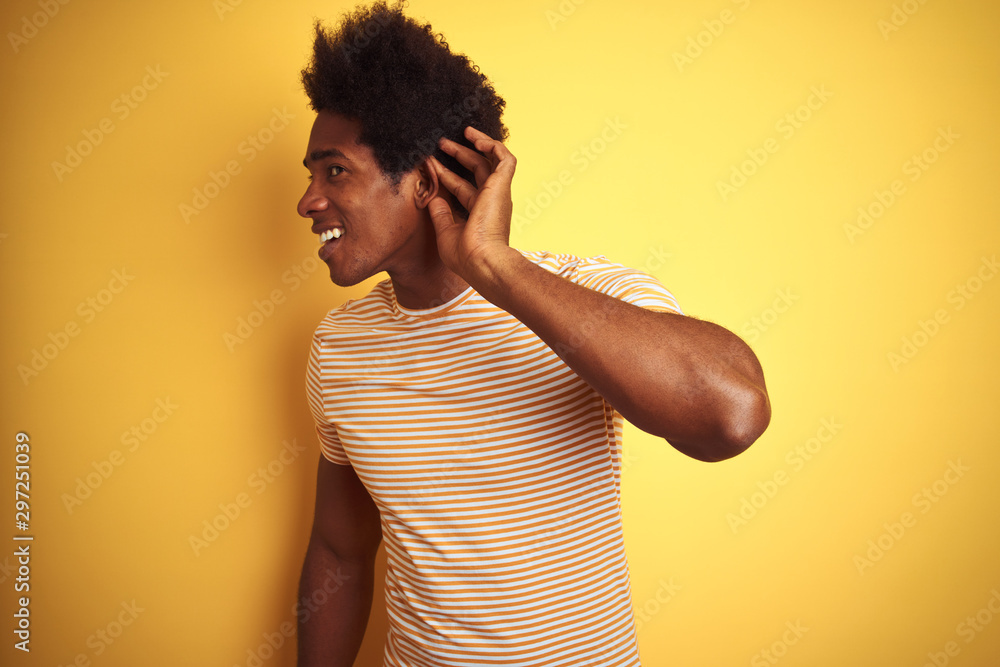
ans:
(329, 241)
(331, 234)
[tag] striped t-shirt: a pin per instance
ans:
(496, 472)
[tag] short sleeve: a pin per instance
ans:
(620, 282)
(326, 430)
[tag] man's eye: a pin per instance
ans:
(332, 170)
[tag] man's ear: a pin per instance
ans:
(427, 185)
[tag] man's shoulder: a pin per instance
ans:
(569, 265)
(563, 263)
(599, 273)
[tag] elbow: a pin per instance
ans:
(746, 422)
(747, 406)
(739, 426)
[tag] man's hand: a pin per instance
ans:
(691, 382)
(468, 247)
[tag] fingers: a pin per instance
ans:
(477, 163)
(489, 155)
(483, 141)
(441, 215)
(464, 191)
(503, 159)
(489, 159)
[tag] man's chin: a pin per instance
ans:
(342, 278)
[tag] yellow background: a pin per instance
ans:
(708, 589)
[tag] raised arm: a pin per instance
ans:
(692, 382)
(340, 561)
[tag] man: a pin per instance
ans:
(464, 406)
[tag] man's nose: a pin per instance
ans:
(312, 202)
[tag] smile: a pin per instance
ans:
(330, 234)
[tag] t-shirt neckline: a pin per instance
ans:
(398, 308)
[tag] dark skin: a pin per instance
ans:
(691, 382)
(386, 228)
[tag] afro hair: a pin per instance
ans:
(401, 81)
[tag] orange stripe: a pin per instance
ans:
(436, 409)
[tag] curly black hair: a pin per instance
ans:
(405, 86)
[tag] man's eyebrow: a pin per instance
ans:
(316, 156)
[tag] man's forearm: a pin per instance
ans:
(689, 381)
(335, 600)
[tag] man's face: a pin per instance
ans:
(380, 229)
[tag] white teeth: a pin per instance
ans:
(329, 234)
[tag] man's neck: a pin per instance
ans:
(428, 288)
